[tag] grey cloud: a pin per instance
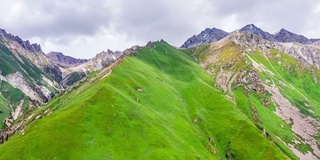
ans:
(56, 18)
(60, 23)
(270, 15)
(153, 20)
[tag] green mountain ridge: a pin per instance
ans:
(276, 91)
(158, 103)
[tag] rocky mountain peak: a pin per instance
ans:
(251, 28)
(64, 61)
(212, 35)
(25, 44)
(287, 36)
(206, 36)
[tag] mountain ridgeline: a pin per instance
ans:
(29, 78)
(213, 35)
(246, 94)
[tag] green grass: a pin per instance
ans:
(296, 83)
(291, 72)
(8, 96)
(273, 125)
(230, 60)
(4, 110)
(11, 94)
(111, 119)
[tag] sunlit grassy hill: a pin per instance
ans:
(157, 104)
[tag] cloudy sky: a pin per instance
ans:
(83, 28)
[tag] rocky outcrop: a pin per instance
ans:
(252, 81)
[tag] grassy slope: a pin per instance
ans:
(230, 60)
(9, 64)
(8, 95)
(289, 72)
(4, 110)
(112, 120)
(303, 93)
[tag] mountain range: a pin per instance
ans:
(213, 35)
(247, 94)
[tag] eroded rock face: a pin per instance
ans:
(17, 80)
(40, 93)
(307, 54)
(304, 126)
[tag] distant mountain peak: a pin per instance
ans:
(206, 36)
(255, 30)
(249, 27)
(212, 35)
(286, 36)
(63, 60)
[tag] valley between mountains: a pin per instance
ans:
(247, 94)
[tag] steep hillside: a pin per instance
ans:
(158, 103)
(32, 52)
(24, 82)
(276, 91)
